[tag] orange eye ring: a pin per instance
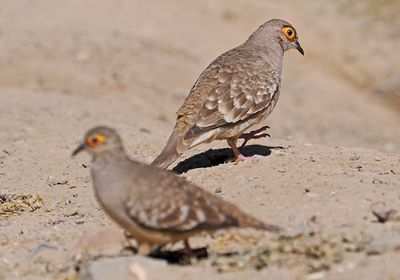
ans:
(289, 32)
(95, 140)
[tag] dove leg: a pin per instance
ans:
(188, 251)
(237, 155)
(144, 249)
(132, 243)
(254, 135)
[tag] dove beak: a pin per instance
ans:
(79, 149)
(299, 48)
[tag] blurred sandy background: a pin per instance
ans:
(345, 91)
(68, 65)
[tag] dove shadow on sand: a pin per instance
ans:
(214, 157)
(179, 256)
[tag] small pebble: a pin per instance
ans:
(384, 213)
(80, 221)
(71, 213)
(86, 179)
(355, 157)
(52, 181)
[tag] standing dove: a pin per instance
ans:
(154, 206)
(236, 91)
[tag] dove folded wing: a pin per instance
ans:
(179, 212)
(239, 93)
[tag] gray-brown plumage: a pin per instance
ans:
(236, 91)
(155, 206)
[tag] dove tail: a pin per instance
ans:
(172, 150)
(254, 223)
(272, 228)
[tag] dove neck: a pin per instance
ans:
(268, 48)
(107, 157)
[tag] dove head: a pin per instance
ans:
(100, 140)
(277, 33)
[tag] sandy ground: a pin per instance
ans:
(333, 156)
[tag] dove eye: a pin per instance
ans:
(95, 140)
(289, 32)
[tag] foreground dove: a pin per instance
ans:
(154, 206)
